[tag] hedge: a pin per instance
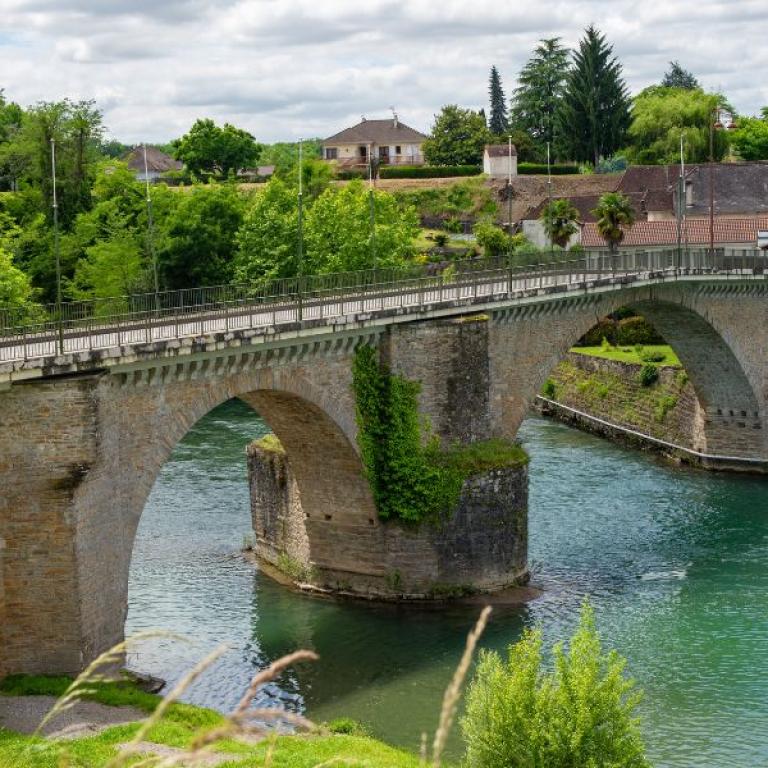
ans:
(427, 171)
(626, 332)
(351, 173)
(541, 169)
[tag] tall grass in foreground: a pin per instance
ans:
(245, 723)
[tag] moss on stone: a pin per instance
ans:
(269, 443)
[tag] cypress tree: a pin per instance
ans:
(594, 116)
(498, 123)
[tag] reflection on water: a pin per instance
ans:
(674, 561)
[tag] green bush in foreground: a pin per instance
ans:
(581, 714)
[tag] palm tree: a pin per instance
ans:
(614, 212)
(560, 221)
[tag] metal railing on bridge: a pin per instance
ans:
(83, 326)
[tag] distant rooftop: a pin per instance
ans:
(696, 232)
(157, 161)
(390, 131)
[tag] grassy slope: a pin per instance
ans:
(177, 729)
(632, 354)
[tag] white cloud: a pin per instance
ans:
(285, 68)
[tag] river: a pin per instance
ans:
(675, 562)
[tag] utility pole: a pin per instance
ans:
(372, 206)
(300, 255)
(56, 250)
(509, 193)
(680, 205)
(150, 233)
(712, 119)
(549, 197)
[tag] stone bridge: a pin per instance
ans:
(84, 434)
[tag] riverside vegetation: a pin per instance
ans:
(518, 714)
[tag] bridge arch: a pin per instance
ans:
(527, 345)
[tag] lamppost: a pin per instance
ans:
(56, 249)
(150, 233)
(300, 247)
(715, 124)
(509, 192)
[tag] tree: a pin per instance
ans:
(210, 149)
(458, 137)
(613, 212)
(536, 101)
(594, 115)
(267, 242)
(492, 239)
(338, 231)
(284, 155)
(661, 115)
(498, 124)
(750, 139)
(677, 77)
(560, 220)
(15, 288)
(582, 712)
(199, 239)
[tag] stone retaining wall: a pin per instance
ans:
(482, 547)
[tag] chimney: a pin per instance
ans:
(362, 118)
(394, 117)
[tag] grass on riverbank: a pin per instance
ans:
(637, 355)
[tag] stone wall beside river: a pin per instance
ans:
(611, 391)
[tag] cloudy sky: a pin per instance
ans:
(289, 68)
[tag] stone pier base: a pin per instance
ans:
(482, 547)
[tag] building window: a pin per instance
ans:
(398, 150)
(331, 153)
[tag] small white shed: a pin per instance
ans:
(500, 160)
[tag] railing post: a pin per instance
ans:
(24, 340)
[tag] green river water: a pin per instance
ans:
(675, 562)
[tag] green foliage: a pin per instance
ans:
(492, 239)
(660, 115)
(614, 213)
(650, 355)
(549, 390)
(498, 123)
(663, 407)
(581, 713)
(200, 238)
(627, 331)
(284, 155)
(648, 375)
(560, 220)
(267, 242)
(614, 164)
(338, 230)
(316, 176)
(537, 99)
(677, 77)
(427, 171)
(541, 169)
(411, 481)
(213, 150)
(347, 726)
(594, 114)
(466, 199)
(458, 137)
(750, 139)
(15, 288)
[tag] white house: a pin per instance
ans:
(391, 142)
(500, 161)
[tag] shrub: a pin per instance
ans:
(541, 169)
(549, 390)
(427, 171)
(581, 713)
(493, 240)
(346, 174)
(347, 727)
(453, 224)
(664, 406)
(628, 331)
(649, 375)
(441, 239)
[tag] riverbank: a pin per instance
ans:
(109, 717)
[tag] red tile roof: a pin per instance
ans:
(696, 232)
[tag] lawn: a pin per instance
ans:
(181, 724)
(661, 354)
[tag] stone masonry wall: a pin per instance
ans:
(611, 390)
(483, 546)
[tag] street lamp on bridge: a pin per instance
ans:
(715, 124)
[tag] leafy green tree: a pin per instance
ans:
(560, 220)
(614, 213)
(498, 123)
(113, 267)
(581, 713)
(338, 230)
(536, 101)
(594, 114)
(316, 176)
(677, 77)
(284, 155)
(210, 149)
(15, 288)
(750, 139)
(661, 115)
(267, 242)
(199, 238)
(458, 137)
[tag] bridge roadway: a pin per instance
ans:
(97, 343)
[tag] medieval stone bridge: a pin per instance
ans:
(85, 426)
